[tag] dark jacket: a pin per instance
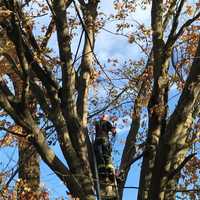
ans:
(103, 127)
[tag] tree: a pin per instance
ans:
(28, 164)
(159, 58)
(62, 97)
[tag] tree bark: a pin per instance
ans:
(173, 147)
(157, 108)
(29, 170)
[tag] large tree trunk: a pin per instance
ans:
(28, 164)
(173, 145)
(157, 107)
(29, 171)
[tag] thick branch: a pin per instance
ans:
(39, 94)
(54, 162)
(86, 67)
(157, 107)
(68, 72)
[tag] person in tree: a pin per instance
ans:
(102, 144)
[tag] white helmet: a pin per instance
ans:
(105, 117)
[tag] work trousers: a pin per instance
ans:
(103, 150)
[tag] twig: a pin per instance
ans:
(12, 132)
(107, 106)
(178, 190)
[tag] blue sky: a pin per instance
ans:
(107, 46)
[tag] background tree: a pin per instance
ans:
(28, 164)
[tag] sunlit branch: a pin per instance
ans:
(12, 64)
(48, 34)
(169, 13)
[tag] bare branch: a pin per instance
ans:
(108, 105)
(12, 132)
(89, 40)
(78, 47)
(128, 165)
(39, 94)
(174, 65)
(185, 25)
(175, 24)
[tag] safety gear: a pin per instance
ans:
(103, 127)
(105, 117)
(110, 168)
(102, 145)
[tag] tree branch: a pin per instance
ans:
(173, 38)
(174, 66)
(90, 42)
(108, 105)
(170, 12)
(48, 34)
(185, 25)
(68, 72)
(174, 25)
(12, 64)
(49, 157)
(179, 168)
(12, 132)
